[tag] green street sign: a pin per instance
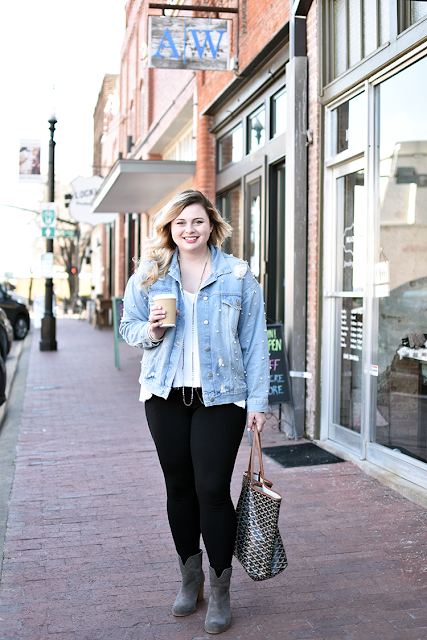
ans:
(65, 233)
(48, 232)
(48, 211)
(48, 217)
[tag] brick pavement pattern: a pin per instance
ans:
(89, 555)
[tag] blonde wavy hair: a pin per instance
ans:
(160, 247)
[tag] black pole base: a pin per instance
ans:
(48, 334)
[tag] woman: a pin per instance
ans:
(200, 380)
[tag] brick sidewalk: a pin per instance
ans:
(89, 555)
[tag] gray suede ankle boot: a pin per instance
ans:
(218, 618)
(191, 590)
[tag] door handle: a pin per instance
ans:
(343, 294)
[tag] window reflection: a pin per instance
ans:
(229, 204)
(278, 113)
(253, 228)
(402, 264)
(230, 148)
(348, 407)
(256, 130)
(351, 261)
(350, 124)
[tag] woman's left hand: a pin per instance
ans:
(256, 419)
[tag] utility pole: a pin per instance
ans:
(48, 331)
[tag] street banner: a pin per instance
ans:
(48, 211)
(29, 161)
(188, 43)
(46, 268)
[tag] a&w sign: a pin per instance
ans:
(193, 43)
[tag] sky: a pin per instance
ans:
(46, 43)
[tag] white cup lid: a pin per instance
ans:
(165, 296)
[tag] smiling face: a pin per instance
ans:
(191, 229)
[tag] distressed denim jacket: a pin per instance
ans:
(232, 334)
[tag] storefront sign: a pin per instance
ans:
(80, 208)
(280, 385)
(193, 43)
(382, 279)
(352, 333)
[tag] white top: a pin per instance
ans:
(187, 380)
(190, 341)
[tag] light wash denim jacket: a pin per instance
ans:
(232, 334)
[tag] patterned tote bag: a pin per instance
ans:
(259, 547)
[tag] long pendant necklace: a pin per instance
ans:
(192, 333)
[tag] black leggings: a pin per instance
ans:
(197, 448)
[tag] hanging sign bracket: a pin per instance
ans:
(191, 7)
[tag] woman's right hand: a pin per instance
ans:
(156, 317)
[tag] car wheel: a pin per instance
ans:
(20, 329)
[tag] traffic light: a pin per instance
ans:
(73, 270)
(67, 198)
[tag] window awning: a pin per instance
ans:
(136, 186)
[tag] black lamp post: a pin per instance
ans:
(48, 332)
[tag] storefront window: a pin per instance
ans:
(350, 124)
(230, 206)
(418, 11)
(278, 113)
(230, 148)
(256, 130)
(340, 36)
(410, 12)
(253, 227)
(359, 28)
(401, 416)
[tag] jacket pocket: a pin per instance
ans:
(231, 307)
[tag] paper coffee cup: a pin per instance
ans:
(168, 302)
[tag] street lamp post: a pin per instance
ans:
(48, 331)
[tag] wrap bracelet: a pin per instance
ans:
(152, 339)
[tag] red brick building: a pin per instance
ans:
(101, 118)
(314, 148)
(227, 133)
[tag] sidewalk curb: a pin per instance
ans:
(12, 362)
(409, 490)
(9, 435)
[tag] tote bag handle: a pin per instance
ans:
(256, 444)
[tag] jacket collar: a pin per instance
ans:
(219, 265)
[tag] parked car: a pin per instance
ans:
(17, 314)
(6, 337)
(6, 334)
(2, 381)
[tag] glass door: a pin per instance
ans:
(254, 224)
(344, 305)
(275, 250)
